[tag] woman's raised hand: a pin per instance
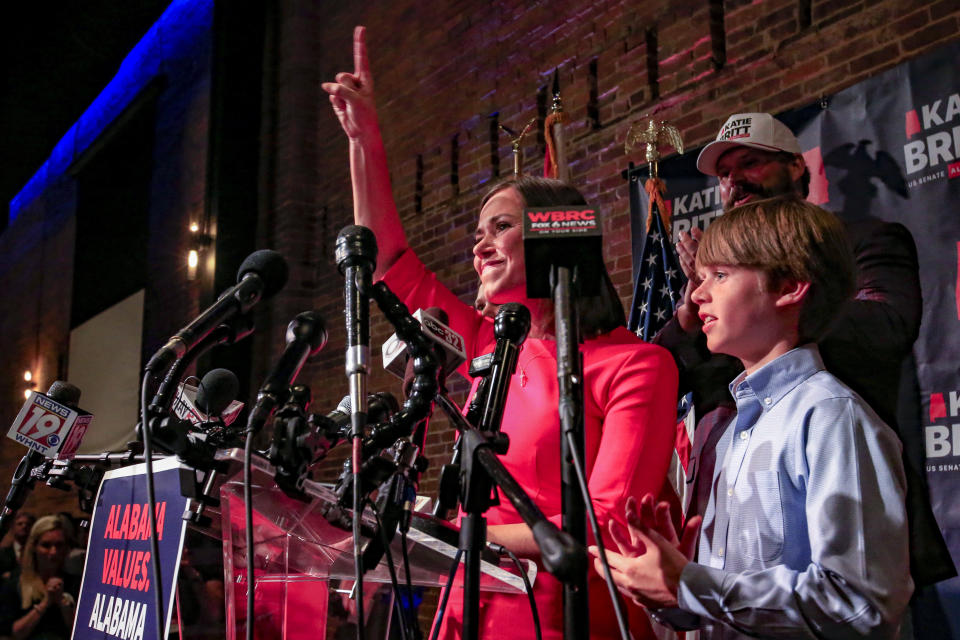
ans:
(351, 94)
(373, 206)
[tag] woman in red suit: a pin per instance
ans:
(629, 386)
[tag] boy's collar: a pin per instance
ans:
(778, 377)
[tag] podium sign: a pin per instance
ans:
(116, 596)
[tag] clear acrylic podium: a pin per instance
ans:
(304, 569)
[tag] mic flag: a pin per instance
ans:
(50, 423)
(562, 236)
(396, 353)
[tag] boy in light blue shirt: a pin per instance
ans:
(805, 531)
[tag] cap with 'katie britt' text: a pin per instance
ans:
(756, 130)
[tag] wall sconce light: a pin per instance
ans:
(31, 384)
(198, 243)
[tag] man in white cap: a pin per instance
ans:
(756, 156)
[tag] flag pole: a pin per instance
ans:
(555, 162)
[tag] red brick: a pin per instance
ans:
(936, 32)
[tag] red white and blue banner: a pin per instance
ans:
(887, 148)
(116, 597)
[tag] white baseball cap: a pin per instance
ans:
(757, 130)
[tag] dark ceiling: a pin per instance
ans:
(58, 55)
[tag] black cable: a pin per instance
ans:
(502, 550)
(248, 514)
(406, 569)
(394, 583)
(595, 527)
(442, 608)
(151, 505)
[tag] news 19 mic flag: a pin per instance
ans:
(49, 427)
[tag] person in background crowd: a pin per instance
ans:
(805, 528)
(756, 156)
(10, 554)
(38, 601)
(629, 386)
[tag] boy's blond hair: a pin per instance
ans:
(787, 238)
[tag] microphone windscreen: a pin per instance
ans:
(512, 322)
(309, 327)
(355, 245)
(65, 393)
(216, 391)
(270, 266)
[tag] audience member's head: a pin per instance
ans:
(43, 556)
(22, 525)
(755, 156)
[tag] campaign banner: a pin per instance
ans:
(887, 148)
(117, 594)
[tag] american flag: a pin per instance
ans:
(657, 290)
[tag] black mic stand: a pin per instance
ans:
(356, 253)
(560, 554)
(20, 487)
(481, 470)
(572, 443)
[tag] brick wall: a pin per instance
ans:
(443, 70)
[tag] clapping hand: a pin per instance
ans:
(651, 555)
(54, 589)
(687, 246)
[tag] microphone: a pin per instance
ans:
(236, 329)
(51, 426)
(261, 275)
(449, 344)
(306, 336)
(356, 254)
(217, 390)
(301, 441)
(510, 328)
(570, 237)
(212, 401)
(380, 406)
(329, 429)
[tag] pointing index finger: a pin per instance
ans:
(361, 65)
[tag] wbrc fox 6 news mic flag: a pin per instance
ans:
(49, 427)
(116, 597)
(888, 148)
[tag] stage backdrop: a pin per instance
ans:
(888, 148)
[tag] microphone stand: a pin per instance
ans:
(20, 487)
(356, 253)
(561, 555)
(576, 620)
